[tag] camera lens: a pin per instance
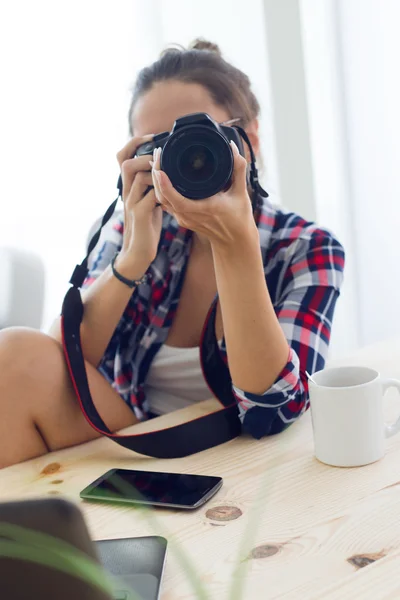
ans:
(197, 164)
(198, 161)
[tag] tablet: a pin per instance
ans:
(136, 564)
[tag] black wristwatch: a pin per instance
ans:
(131, 283)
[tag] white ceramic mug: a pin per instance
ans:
(347, 415)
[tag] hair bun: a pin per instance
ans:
(202, 44)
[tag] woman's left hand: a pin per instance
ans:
(223, 218)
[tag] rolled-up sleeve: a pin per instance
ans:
(304, 308)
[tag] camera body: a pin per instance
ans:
(196, 155)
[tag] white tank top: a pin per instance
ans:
(175, 380)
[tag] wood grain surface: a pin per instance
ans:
(282, 526)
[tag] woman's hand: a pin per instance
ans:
(223, 219)
(142, 215)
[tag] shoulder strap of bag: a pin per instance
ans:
(181, 440)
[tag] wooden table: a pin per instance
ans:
(288, 526)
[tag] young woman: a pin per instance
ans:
(277, 278)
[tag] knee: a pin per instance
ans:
(27, 354)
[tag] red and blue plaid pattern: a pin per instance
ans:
(304, 272)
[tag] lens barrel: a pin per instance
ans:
(198, 160)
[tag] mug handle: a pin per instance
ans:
(395, 427)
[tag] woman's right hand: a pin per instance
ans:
(142, 215)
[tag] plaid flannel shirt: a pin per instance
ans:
(304, 271)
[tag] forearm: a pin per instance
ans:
(104, 304)
(256, 346)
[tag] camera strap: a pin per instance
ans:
(258, 190)
(174, 442)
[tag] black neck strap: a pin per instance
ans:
(254, 182)
(80, 272)
(181, 440)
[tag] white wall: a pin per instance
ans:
(65, 93)
(344, 63)
(309, 128)
(66, 71)
(326, 116)
(370, 42)
(283, 35)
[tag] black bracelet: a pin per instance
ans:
(131, 283)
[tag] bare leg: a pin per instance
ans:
(38, 408)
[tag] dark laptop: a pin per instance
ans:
(69, 565)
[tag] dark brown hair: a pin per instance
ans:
(202, 63)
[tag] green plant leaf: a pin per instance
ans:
(36, 547)
(129, 490)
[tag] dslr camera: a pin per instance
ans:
(196, 155)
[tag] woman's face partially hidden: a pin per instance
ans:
(157, 110)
